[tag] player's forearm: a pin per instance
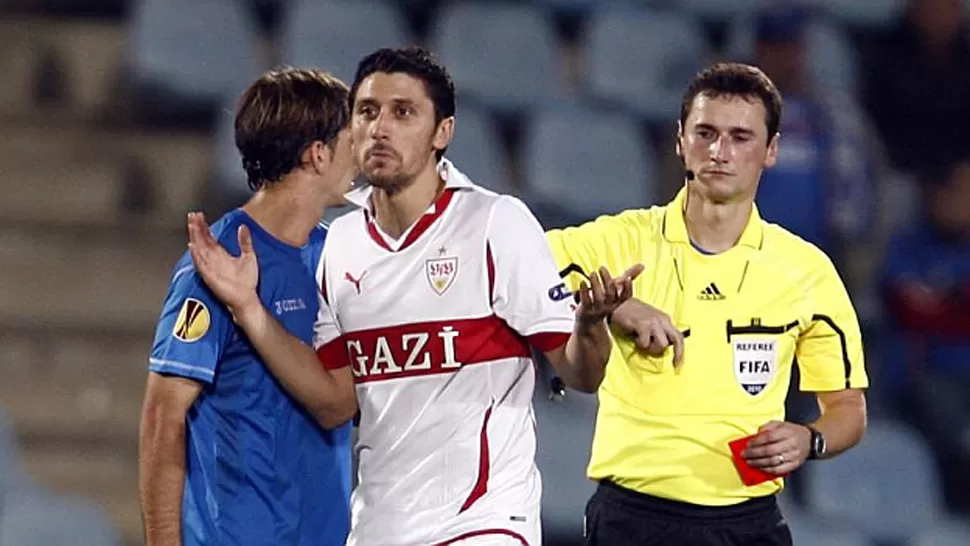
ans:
(586, 355)
(161, 477)
(326, 395)
(842, 423)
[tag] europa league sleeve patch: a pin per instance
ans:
(193, 321)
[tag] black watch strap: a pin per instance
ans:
(816, 446)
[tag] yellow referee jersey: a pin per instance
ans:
(751, 312)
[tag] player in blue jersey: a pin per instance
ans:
(227, 457)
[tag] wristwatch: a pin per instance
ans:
(816, 449)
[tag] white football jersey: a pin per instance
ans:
(436, 328)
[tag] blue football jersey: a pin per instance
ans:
(259, 468)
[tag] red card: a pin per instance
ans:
(749, 475)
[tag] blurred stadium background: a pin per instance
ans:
(115, 118)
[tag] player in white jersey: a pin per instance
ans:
(432, 294)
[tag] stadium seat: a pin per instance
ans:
(588, 161)
(193, 50)
(948, 533)
(868, 14)
(719, 10)
(564, 431)
(11, 471)
(228, 175)
(888, 485)
(33, 517)
(506, 55)
(335, 35)
(477, 149)
(643, 59)
(831, 59)
(569, 6)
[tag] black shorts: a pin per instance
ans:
(616, 516)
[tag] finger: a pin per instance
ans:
(204, 236)
(192, 229)
(624, 289)
(610, 288)
(779, 462)
(644, 339)
(584, 297)
(633, 272)
(660, 341)
(677, 340)
(769, 437)
(768, 452)
(199, 231)
(245, 240)
(770, 425)
(596, 286)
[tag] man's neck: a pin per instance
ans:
(396, 211)
(287, 213)
(715, 227)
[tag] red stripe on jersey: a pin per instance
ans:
(419, 228)
(430, 348)
(484, 532)
(481, 483)
(548, 341)
(333, 354)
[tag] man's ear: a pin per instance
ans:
(319, 156)
(443, 133)
(771, 158)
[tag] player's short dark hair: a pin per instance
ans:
(419, 63)
(281, 114)
(735, 79)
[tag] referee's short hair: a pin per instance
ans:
(735, 79)
(281, 114)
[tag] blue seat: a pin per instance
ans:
(505, 55)
(193, 50)
(11, 469)
(948, 533)
(643, 59)
(564, 434)
(33, 517)
(477, 149)
(587, 161)
(831, 60)
(867, 14)
(228, 175)
(335, 35)
(718, 10)
(888, 485)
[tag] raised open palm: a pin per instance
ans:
(232, 279)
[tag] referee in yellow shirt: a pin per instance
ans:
(703, 355)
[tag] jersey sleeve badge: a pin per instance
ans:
(193, 321)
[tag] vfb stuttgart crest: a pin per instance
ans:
(441, 273)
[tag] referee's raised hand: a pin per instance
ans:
(652, 328)
(601, 297)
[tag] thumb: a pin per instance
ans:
(245, 241)
(770, 425)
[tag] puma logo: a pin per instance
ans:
(352, 280)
